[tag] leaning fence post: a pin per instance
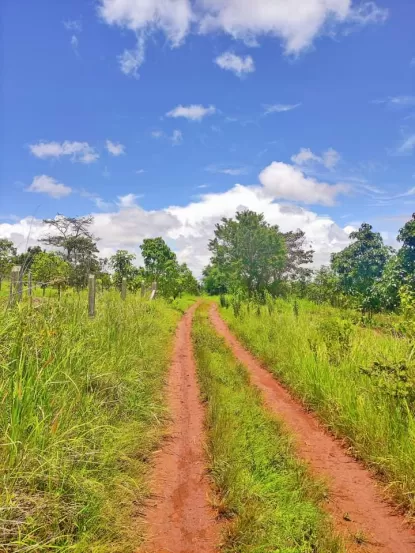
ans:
(91, 295)
(29, 286)
(153, 290)
(20, 286)
(14, 279)
(124, 288)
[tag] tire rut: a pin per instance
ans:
(355, 502)
(179, 518)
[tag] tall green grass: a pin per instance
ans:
(81, 409)
(318, 353)
(272, 503)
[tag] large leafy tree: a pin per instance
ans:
(122, 263)
(298, 255)
(49, 269)
(161, 266)
(214, 281)
(248, 251)
(157, 256)
(76, 244)
(361, 263)
(406, 255)
(7, 254)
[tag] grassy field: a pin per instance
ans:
(330, 364)
(267, 494)
(82, 408)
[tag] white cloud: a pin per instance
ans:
(129, 200)
(74, 25)
(140, 171)
(74, 42)
(173, 17)
(284, 181)
(296, 23)
(43, 184)
(233, 171)
(80, 152)
(279, 108)
(177, 137)
(305, 156)
(157, 134)
(194, 112)
(237, 64)
(115, 149)
(131, 60)
(401, 101)
(407, 146)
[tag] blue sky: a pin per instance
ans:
(162, 117)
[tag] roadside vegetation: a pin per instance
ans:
(82, 408)
(361, 382)
(270, 501)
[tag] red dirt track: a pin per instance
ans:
(179, 518)
(353, 493)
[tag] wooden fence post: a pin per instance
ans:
(153, 290)
(91, 295)
(14, 280)
(29, 286)
(124, 288)
(20, 286)
(143, 289)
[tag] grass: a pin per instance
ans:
(271, 501)
(81, 410)
(318, 354)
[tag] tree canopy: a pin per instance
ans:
(250, 252)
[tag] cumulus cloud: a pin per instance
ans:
(305, 156)
(194, 112)
(237, 64)
(79, 152)
(115, 149)
(279, 108)
(188, 228)
(284, 181)
(294, 22)
(43, 184)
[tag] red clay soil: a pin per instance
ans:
(179, 518)
(353, 493)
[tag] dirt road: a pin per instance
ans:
(179, 518)
(354, 500)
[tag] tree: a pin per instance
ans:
(249, 252)
(26, 258)
(122, 263)
(76, 244)
(406, 255)
(7, 253)
(156, 255)
(361, 264)
(49, 269)
(297, 256)
(214, 282)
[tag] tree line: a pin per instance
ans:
(71, 255)
(252, 257)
